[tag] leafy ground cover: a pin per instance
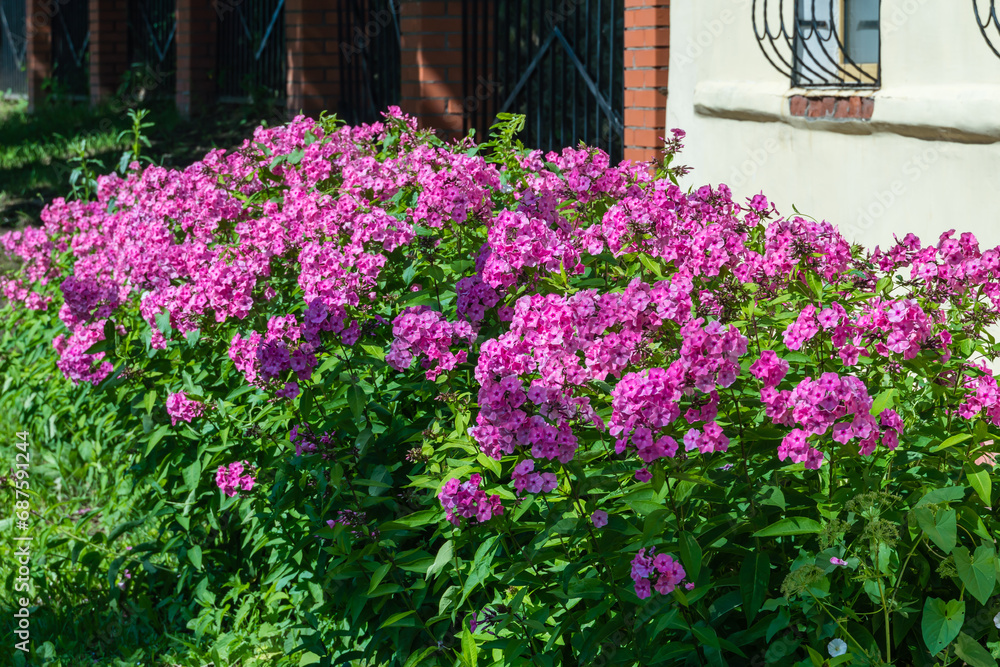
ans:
(357, 396)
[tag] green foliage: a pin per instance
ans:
(261, 578)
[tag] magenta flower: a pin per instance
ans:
(231, 480)
(182, 408)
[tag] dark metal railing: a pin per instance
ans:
(70, 48)
(821, 42)
(152, 46)
(559, 63)
(251, 51)
(369, 50)
(13, 48)
(984, 24)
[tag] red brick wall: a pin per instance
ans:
(832, 108)
(108, 47)
(196, 36)
(431, 74)
(314, 49)
(39, 48)
(647, 55)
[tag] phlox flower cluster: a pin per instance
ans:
(838, 404)
(421, 331)
(525, 478)
(529, 377)
(182, 408)
(181, 243)
(656, 571)
(306, 442)
(646, 403)
(466, 500)
(231, 479)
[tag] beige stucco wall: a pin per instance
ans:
(928, 161)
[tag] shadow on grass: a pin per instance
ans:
(105, 633)
(35, 148)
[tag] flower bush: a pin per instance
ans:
(473, 404)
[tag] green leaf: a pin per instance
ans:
(972, 652)
(945, 494)
(978, 572)
(941, 528)
(650, 264)
(309, 658)
(490, 463)
(194, 555)
(952, 441)
(150, 401)
(156, 437)
(417, 658)
(980, 480)
(356, 398)
(470, 652)
(421, 518)
(448, 598)
(691, 555)
(306, 405)
(378, 577)
(882, 402)
(795, 525)
(444, 556)
(396, 618)
(754, 577)
(941, 622)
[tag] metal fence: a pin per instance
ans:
(70, 48)
(251, 51)
(369, 58)
(558, 62)
(13, 48)
(152, 47)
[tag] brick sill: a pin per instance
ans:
(957, 113)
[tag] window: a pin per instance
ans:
(825, 43)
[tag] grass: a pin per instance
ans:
(35, 148)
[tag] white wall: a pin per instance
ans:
(928, 161)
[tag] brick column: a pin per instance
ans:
(108, 47)
(196, 37)
(39, 48)
(431, 74)
(647, 48)
(313, 42)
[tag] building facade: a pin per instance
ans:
(881, 117)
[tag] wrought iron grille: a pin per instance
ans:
(369, 59)
(251, 51)
(821, 42)
(13, 48)
(152, 46)
(70, 42)
(988, 9)
(561, 64)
